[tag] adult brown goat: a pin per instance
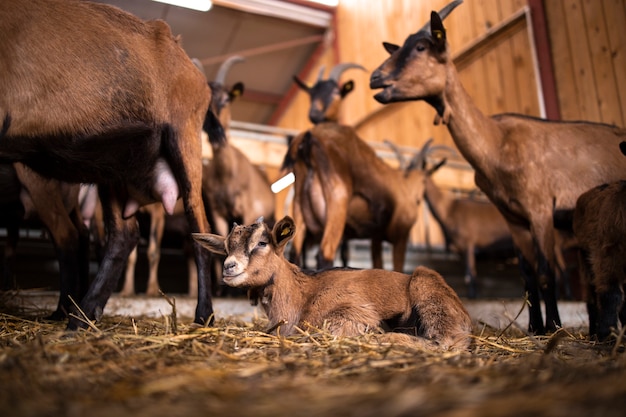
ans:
(233, 186)
(93, 94)
(237, 190)
(468, 224)
(521, 163)
(348, 301)
(26, 196)
(344, 190)
(326, 97)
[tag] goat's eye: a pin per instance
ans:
(420, 48)
(261, 244)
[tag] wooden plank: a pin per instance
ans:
(600, 50)
(581, 60)
(615, 21)
(567, 90)
(524, 74)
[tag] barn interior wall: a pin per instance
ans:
(492, 44)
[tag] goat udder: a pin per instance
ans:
(165, 187)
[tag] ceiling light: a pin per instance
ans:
(200, 5)
(331, 3)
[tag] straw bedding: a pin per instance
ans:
(157, 367)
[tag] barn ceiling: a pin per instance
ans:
(277, 39)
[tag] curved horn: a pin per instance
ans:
(419, 159)
(396, 149)
(225, 67)
(443, 13)
(199, 65)
(338, 69)
(320, 75)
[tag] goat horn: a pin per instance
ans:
(396, 150)
(225, 67)
(420, 158)
(443, 13)
(259, 220)
(338, 69)
(199, 65)
(320, 75)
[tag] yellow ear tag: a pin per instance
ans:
(285, 231)
(438, 34)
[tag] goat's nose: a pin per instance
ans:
(229, 267)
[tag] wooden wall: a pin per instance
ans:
(494, 49)
(588, 39)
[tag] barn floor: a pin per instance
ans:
(142, 359)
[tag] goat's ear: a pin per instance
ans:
(346, 88)
(236, 91)
(390, 47)
(301, 84)
(434, 169)
(211, 242)
(437, 31)
(283, 231)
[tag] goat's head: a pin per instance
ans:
(327, 94)
(252, 252)
(221, 95)
(418, 69)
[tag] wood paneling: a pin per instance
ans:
(588, 43)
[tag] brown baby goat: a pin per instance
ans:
(348, 301)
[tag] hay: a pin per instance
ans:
(145, 366)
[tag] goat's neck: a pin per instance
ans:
(476, 136)
(286, 296)
(438, 201)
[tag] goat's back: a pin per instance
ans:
(77, 67)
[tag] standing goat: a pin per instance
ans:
(25, 196)
(348, 301)
(325, 96)
(468, 224)
(93, 94)
(237, 190)
(600, 229)
(521, 162)
(343, 189)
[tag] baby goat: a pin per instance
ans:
(599, 224)
(347, 301)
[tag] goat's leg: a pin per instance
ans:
(298, 250)
(157, 224)
(46, 196)
(470, 272)
(185, 156)
(129, 277)
(336, 195)
(10, 247)
(399, 253)
(545, 271)
(525, 251)
(122, 237)
(607, 277)
(586, 279)
(376, 251)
